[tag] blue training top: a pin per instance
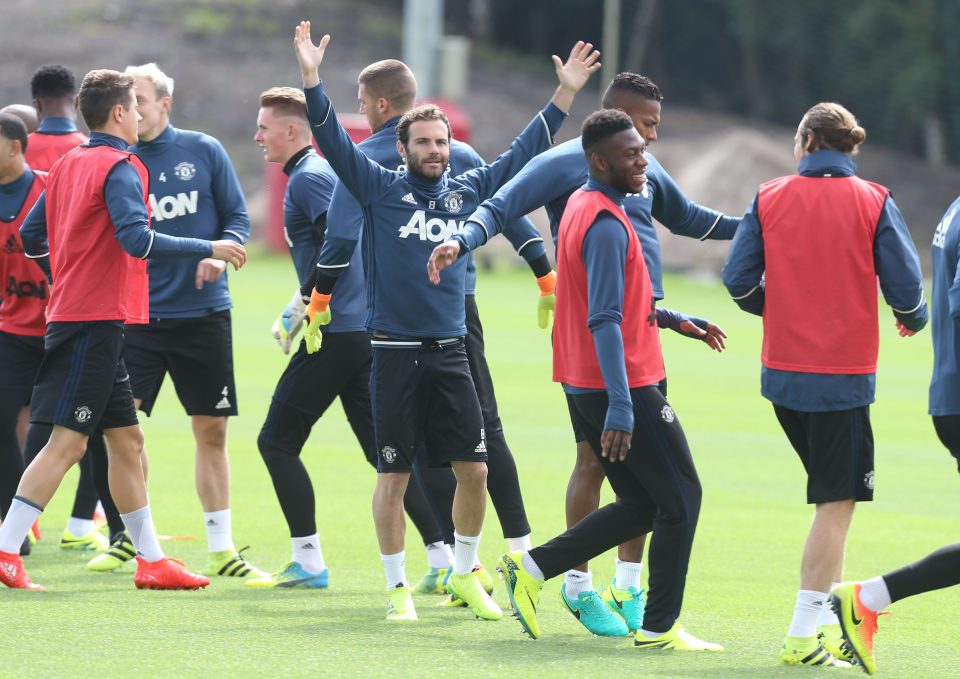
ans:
(945, 315)
(12, 196)
(405, 216)
(346, 216)
(898, 269)
(123, 194)
(195, 192)
(550, 178)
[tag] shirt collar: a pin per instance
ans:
(607, 190)
(295, 159)
(166, 137)
(57, 125)
(827, 164)
(104, 139)
(19, 184)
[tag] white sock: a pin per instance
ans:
(532, 568)
(576, 582)
(874, 594)
(393, 566)
(80, 527)
(306, 552)
(140, 526)
(17, 524)
(439, 555)
(465, 550)
(520, 544)
(219, 531)
(628, 574)
(827, 616)
(808, 608)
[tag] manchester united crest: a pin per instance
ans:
(453, 201)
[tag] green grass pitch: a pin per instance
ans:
(742, 579)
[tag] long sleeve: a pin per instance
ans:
(33, 235)
(122, 192)
(604, 256)
(364, 178)
(683, 217)
(554, 173)
(228, 197)
(898, 268)
(344, 227)
(743, 272)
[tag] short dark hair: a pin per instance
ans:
(602, 124)
(392, 80)
(53, 81)
(100, 91)
(12, 128)
(423, 112)
(631, 83)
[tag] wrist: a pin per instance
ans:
(547, 283)
(318, 302)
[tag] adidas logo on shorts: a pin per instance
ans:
(224, 403)
(482, 446)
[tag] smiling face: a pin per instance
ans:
(274, 136)
(427, 152)
(620, 162)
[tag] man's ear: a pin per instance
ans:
(402, 151)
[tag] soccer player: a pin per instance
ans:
(193, 190)
(421, 387)
(857, 604)
(387, 90)
(22, 304)
(548, 181)
(312, 381)
(806, 258)
(54, 92)
(606, 354)
(944, 402)
(94, 214)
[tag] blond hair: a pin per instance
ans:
(162, 83)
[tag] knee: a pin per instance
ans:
(587, 467)
(392, 487)
(268, 450)
(210, 432)
(471, 474)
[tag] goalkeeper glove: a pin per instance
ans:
(548, 300)
(317, 314)
(287, 325)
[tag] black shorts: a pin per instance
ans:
(82, 383)
(309, 386)
(578, 434)
(20, 356)
(198, 354)
(424, 398)
(836, 449)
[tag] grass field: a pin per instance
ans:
(742, 579)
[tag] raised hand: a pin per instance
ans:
(309, 56)
(581, 64)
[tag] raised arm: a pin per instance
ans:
(681, 215)
(365, 179)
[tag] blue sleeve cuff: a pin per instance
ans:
(553, 118)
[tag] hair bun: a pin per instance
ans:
(858, 135)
